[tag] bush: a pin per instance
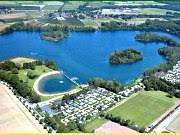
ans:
(14, 71)
(50, 64)
(50, 130)
(31, 75)
(34, 98)
(29, 66)
(177, 94)
(7, 65)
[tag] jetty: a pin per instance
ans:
(72, 80)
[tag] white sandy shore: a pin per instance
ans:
(14, 116)
(37, 83)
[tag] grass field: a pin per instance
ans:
(144, 108)
(94, 124)
(72, 5)
(38, 70)
(51, 8)
(155, 11)
(98, 4)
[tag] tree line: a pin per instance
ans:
(172, 27)
(112, 86)
(150, 37)
(20, 87)
(154, 83)
(124, 122)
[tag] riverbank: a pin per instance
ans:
(38, 81)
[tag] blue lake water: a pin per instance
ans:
(55, 84)
(83, 55)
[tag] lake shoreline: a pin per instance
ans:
(38, 82)
(46, 75)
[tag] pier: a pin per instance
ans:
(73, 81)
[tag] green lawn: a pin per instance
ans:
(144, 108)
(94, 124)
(30, 82)
(38, 70)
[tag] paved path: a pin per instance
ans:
(164, 124)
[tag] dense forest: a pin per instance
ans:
(126, 56)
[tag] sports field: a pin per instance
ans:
(144, 108)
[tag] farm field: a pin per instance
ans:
(144, 108)
(154, 11)
(72, 5)
(98, 4)
(12, 16)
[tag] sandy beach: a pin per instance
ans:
(37, 83)
(14, 117)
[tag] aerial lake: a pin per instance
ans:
(83, 55)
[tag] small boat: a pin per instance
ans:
(61, 81)
(33, 53)
(74, 78)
